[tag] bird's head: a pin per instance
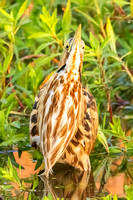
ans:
(73, 51)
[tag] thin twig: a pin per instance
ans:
(31, 56)
(37, 56)
(18, 113)
(16, 97)
(128, 72)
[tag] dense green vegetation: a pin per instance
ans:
(32, 34)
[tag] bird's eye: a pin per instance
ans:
(83, 47)
(67, 46)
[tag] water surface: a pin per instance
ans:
(109, 175)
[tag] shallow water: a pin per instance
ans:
(109, 175)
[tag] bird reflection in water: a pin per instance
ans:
(68, 184)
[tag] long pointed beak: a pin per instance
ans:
(74, 60)
(77, 37)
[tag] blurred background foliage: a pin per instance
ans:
(32, 35)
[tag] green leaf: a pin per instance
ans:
(54, 21)
(104, 120)
(46, 18)
(6, 187)
(93, 41)
(66, 21)
(117, 129)
(29, 196)
(7, 62)
(40, 35)
(109, 197)
(88, 17)
(2, 122)
(21, 10)
(49, 197)
(3, 42)
(44, 60)
(105, 42)
(42, 46)
(110, 33)
(10, 166)
(35, 182)
(23, 21)
(38, 164)
(19, 74)
(49, 22)
(129, 192)
(115, 150)
(3, 33)
(24, 90)
(6, 14)
(11, 173)
(8, 177)
(101, 137)
(16, 124)
(15, 175)
(13, 139)
(131, 7)
(3, 101)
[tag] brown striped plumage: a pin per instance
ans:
(64, 120)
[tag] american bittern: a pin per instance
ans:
(64, 120)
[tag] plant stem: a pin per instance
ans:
(31, 56)
(57, 39)
(128, 72)
(18, 113)
(107, 91)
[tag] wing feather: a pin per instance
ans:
(34, 134)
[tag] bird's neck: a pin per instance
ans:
(73, 74)
(73, 66)
(63, 60)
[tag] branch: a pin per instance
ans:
(31, 56)
(37, 56)
(18, 113)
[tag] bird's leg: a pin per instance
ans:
(46, 173)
